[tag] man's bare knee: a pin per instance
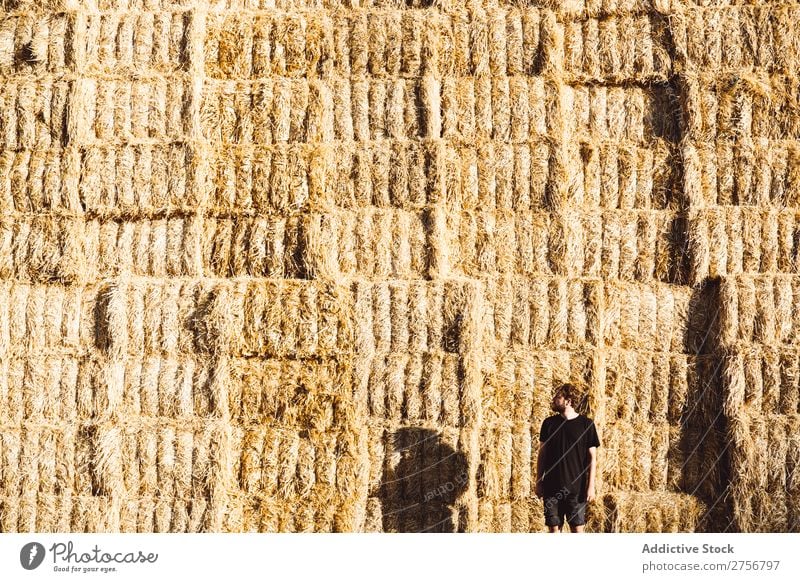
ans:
(553, 529)
(576, 528)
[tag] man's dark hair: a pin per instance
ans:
(570, 392)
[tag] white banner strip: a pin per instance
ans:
(399, 557)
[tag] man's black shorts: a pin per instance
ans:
(556, 507)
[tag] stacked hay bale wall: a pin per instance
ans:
(759, 343)
(289, 265)
(737, 69)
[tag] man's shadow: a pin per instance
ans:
(418, 493)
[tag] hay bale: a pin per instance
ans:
(759, 488)
(792, 457)
(766, 362)
(652, 513)
(629, 316)
(642, 452)
(788, 378)
(764, 325)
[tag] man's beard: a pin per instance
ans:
(557, 408)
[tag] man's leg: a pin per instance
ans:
(576, 514)
(552, 518)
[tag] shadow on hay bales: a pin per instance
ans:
(705, 469)
(417, 494)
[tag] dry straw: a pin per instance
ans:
(250, 252)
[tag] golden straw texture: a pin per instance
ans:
(318, 265)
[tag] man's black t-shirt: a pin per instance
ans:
(566, 454)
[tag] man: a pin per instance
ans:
(566, 465)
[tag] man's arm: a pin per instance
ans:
(539, 469)
(592, 464)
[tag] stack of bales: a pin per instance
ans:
(759, 338)
(549, 184)
(563, 201)
(268, 163)
(167, 365)
(287, 265)
(96, 437)
(742, 179)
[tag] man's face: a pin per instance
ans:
(559, 403)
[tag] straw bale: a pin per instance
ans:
(460, 310)
(653, 513)
(495, 476)
(148, 248)
(678, 387)
(661, 313)
(154, 46)
(754, 386)
(592, 227)
(267, 179)
(441, 390)
(521, 516)
(393, 388)
(381, 223)
(611, 259)
(758, 472)
(787, 367)
(659, 402)
(716, 172)
(620, 106)
(644, 387)
(764, 325)
(34, 180)
(791, 176)
(795, 314)
(647, 233)
(559, 312)
(156, 111)
(530, 236)
(660, 456)
(759, 486)
(542, 391)
(205, 318)
(746, 293)
(737, 391)
(718, 251)
(728, 311)
(557, 245)
(603, 114)
(491, 253)
(765, 363)
(642, 454)
(502, 517)
(776, 476)
(520, 111)
(786, 242)
(792, 462)
(628, 461)
(147, 179)
(630, 316)
(43, 249)
(648, 329)
(520, 316)
(34, 112)
(703, 258)
(594, 305)
(621, 386)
